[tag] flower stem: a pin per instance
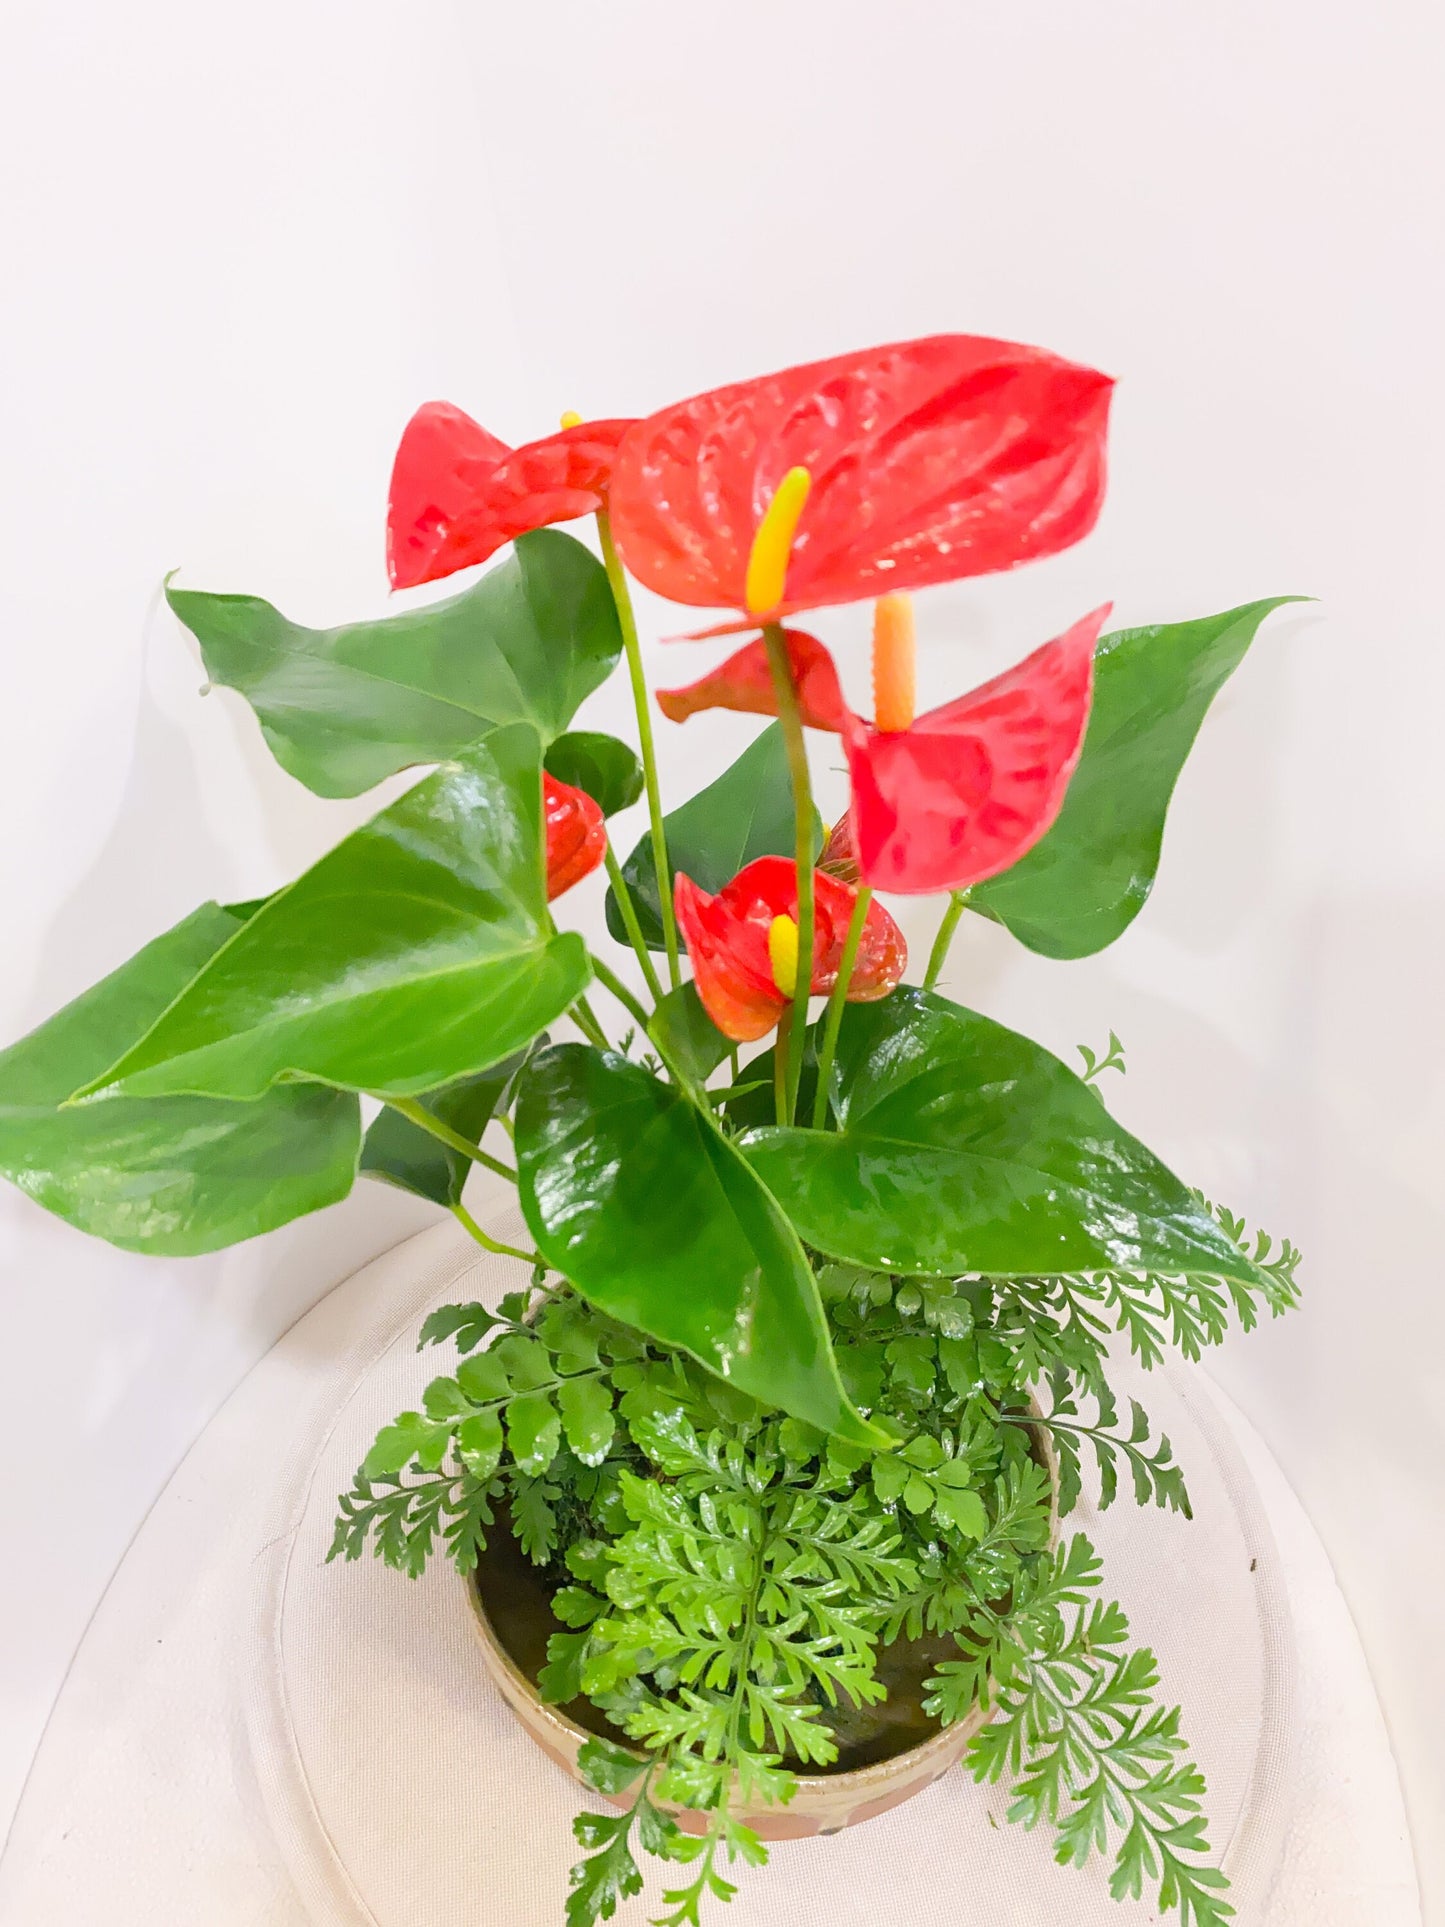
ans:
(781, 1054)
(585, 1018)
(834, 1017)
(791, 719)
(612, 562)
(630, 922)
(956, 902)
(469, 1223)
(611, 981)
(419, 1115)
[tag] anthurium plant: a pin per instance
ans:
(825, 1267)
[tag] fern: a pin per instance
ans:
(1080, 1739)
(1155, 1476)
(403, 1519)
(726, 1577)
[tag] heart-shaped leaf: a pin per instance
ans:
(172, 1176)
(601, 765)
(747, 812)
(1083, 883)
(965, 1147)
(342, 708)
(416, 952)
(404, 1154)
(636, 1197)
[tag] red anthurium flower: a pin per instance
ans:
(576, 834)
(744, 945)
(745, 682)
(458, 494)
(838, 857)
(943, 801)
(886, 470)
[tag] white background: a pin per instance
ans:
(241, 244)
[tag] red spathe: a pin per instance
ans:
(952, 456)
(458, 494)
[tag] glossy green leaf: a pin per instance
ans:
(601, 765)
(1083, 884)
(416, 952)
(407, 1155)
(342, 708)
(172, 1176)
(746, 813)
(686, 1035)
(634, 1195)
(965, 1147)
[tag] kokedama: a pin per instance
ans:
(816, 1336)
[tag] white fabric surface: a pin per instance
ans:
(252, 1739)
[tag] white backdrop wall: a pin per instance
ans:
(241, 244)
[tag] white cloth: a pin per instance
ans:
(250, 1738)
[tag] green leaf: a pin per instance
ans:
(533, 1431)
(560, 1679)
(746, 813)
(587, 1419)
(412, 1436)
(533, 1519)
(1082, 884)
(636, 1197)
(418, 951)
(479, 1443)
(402, 1153)
(171, 1176)
(601, 765)
(918, 1494)
(604, 1878)
(607, 1768)
(924, 1452)
(890, 1477)
(965, 1147)
(483, 1376)
(467, 1324)
(527, 1363)
(342, 708)
(686, 1035)
(445, 1399)
(963, 1510)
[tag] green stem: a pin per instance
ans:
(791, 719)
(469, 1223)
(612, 562)
(585, 1018)
(834, 1018)
(957, 900)
(780, 1064)
(634, 1009)
(611, 981)
(631, 924)
(417, 1114)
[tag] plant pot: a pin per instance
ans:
(824, 1802)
